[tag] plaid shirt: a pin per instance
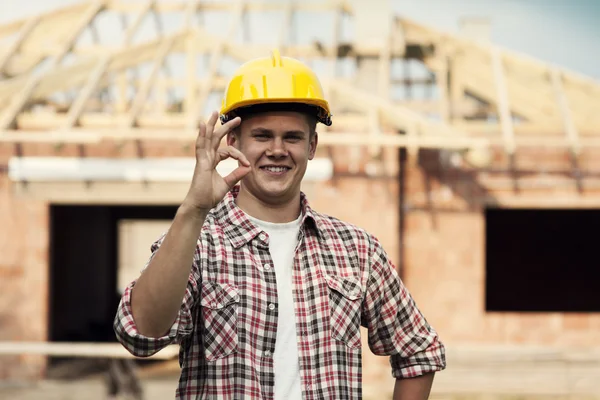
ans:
(342, 279)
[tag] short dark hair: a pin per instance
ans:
(310, 112)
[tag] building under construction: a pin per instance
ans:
(478, 169)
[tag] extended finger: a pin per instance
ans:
(201, 139)
(224, 130)
(210, 125)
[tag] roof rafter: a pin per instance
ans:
(485, 96)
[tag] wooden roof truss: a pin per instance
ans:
(55, 86)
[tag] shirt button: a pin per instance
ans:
(271, 306)
(267, 267)
(267, 353)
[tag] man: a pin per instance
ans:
(265, 295)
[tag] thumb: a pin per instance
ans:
(236, 175)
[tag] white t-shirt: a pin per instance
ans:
(283, 238)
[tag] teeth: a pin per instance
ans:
(276, 169)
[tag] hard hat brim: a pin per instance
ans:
(317, 108)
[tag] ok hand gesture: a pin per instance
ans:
(208, 187)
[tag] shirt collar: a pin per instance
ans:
(240, 230)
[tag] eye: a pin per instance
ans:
(294, 138)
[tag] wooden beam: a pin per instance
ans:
(79, 349)
(178, 6)
(191, 56)
(401, 118)
(77, 107)
(374, 130)
(569, 125)
(538, 89)
(480, 82)
(16, 44)
(328, 139)
(215, 61)
(20, 99)
(331, 59)
(40, 121)
(92, 83)
(522, 68)
(346, 138)
(419, 33)
(287, 24)
(503, 102)
(441, 79)
(65, 77)
(142, 94)
(15, 26)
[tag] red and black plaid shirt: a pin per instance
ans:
(342, 279)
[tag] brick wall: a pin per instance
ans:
(23, 279)
(445, 244)
(442, 255)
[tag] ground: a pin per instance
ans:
(465, 379)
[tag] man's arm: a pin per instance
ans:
(398, 329)
(414, 388)
(157, 294)
(156, 297)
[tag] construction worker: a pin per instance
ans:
(265, 295)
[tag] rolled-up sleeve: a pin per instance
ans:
(143, 346)
(396, 327)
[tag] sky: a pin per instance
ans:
(562, 32)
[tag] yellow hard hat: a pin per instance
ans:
(273, 81)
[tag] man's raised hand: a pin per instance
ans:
(208, 187)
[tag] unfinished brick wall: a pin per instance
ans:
(23, 279)
(442, 254)
(445, 245)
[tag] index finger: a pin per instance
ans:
(225, 129)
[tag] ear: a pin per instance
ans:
(312, 146)
(233, 139)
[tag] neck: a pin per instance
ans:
(281, 212)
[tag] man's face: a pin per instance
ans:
(278, 146)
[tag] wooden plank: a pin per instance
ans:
(78, 349)
(191, 56)
(16, 44)
(441, 140)
(144, 91)
(15, 26)
(374, 130)
(441, 79)
(283, 40)
(503, 102)
(215, 61)
(569, 125)
(175, 6)
(77, 107)
(23, 96)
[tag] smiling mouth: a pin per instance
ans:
(275, 170)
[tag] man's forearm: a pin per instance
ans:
(159, 291)
(414, 388)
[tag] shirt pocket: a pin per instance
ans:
(345, 296)
(219, 311)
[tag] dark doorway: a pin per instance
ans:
(542, 260)
(83, 268)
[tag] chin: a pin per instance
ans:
(275, 189)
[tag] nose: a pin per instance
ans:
(277, 148)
